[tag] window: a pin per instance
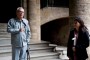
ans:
(54, 3)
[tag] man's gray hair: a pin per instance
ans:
(20, 9)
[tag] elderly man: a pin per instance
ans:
(20, 35)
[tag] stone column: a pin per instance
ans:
(34, 18)
(81, 8)
(24, 4)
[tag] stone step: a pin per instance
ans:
(3, 30)
(5, 41)
(9, 51)
(64, 57)
(3, 25)
(47, 59)
(44, 54)
(62, 49)
(33, 49)
(5, 36)
(37, 50)
(63, 52)
(44, 58)
(36, 55)
(4, 33)
(32, 52)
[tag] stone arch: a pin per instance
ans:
(49, 14)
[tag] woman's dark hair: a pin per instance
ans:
(82, 26)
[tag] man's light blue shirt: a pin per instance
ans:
(18, 38)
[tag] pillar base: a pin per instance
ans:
(35, 41)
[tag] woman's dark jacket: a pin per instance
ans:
(81, 45)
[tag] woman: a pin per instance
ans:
(78, 41)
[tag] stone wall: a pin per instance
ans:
(51, 13)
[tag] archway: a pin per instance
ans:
(56, 31)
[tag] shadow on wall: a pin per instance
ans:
(56, 31)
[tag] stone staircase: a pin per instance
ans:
(38, 51)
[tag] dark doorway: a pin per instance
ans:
(8, 9)
(56, 31)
